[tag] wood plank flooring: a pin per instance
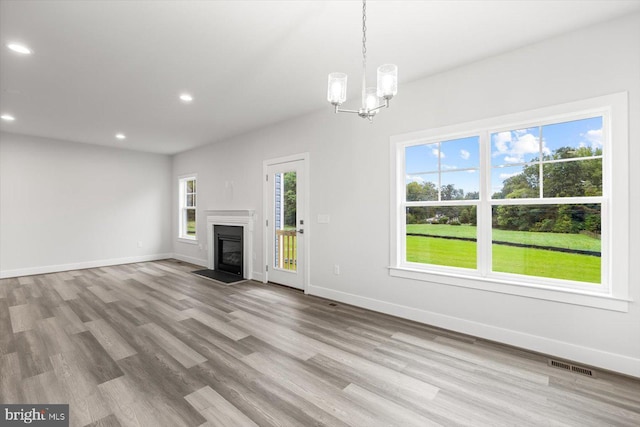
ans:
(150, 344)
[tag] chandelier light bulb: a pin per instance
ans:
(387, 84)
(371, 98)
(337, 88)
(387, 81)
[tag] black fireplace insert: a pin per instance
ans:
(228, 246)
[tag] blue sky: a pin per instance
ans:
(508, 149)
(455, 154)
(523, 145)
(464, 153)
(518, 146)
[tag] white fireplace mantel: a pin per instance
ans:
(244, 218)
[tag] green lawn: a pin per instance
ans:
(557, 240)
(432, 250)
(443, 230)
(507, 259)
(538, 262)
(191, 228)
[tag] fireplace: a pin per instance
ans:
(228, 247)
(242, 221)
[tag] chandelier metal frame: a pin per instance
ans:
(373, 99)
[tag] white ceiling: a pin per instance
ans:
(102, 67)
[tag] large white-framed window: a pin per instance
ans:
(187, 207)
(532, 204)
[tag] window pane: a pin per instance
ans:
(191, 200)
(578, 138)
(460, 185)
(436, 235)
(573, 178)
(516, 146)
(290, 199)
(515, 182)
(191, 186)
(191, 222)
(422, 187)
(285, 247)
(460, 153)
(421, 158)
(556, 241)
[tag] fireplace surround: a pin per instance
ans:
(232, 218)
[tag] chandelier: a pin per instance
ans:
(373, 98)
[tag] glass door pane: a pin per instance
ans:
(285, 239)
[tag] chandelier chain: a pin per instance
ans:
(364, 31)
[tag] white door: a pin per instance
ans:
(285, 222)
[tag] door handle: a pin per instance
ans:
(301, 231)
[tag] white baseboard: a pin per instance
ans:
(191, 260)
(30, 271)
(586, 355)
(256, 276)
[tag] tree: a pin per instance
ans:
(468, 215)
(420, 214)
(579, 178)
(290, 199)
(522, 185)
(450, 192)
(421, 192)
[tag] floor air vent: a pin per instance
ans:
(583, 371)
(573, 368)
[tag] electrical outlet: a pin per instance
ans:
(139, 243)
(336, 269)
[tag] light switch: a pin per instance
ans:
(323, 219)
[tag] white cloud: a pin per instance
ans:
(504, 176)
(465, 154)
(515, 145)
(435, 152)
(414, 178)
(593, 137)
(500, 141)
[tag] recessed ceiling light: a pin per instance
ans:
(121, 136)
(7, 117)
(185, 97)
(20, 48)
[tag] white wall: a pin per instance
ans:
(65, 205)
(350, 181)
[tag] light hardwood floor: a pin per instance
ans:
(151, 344)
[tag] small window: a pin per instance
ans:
(437, 173)
(562, 162)
(187, 192)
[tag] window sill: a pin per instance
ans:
(189, 240)
(566, 296)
